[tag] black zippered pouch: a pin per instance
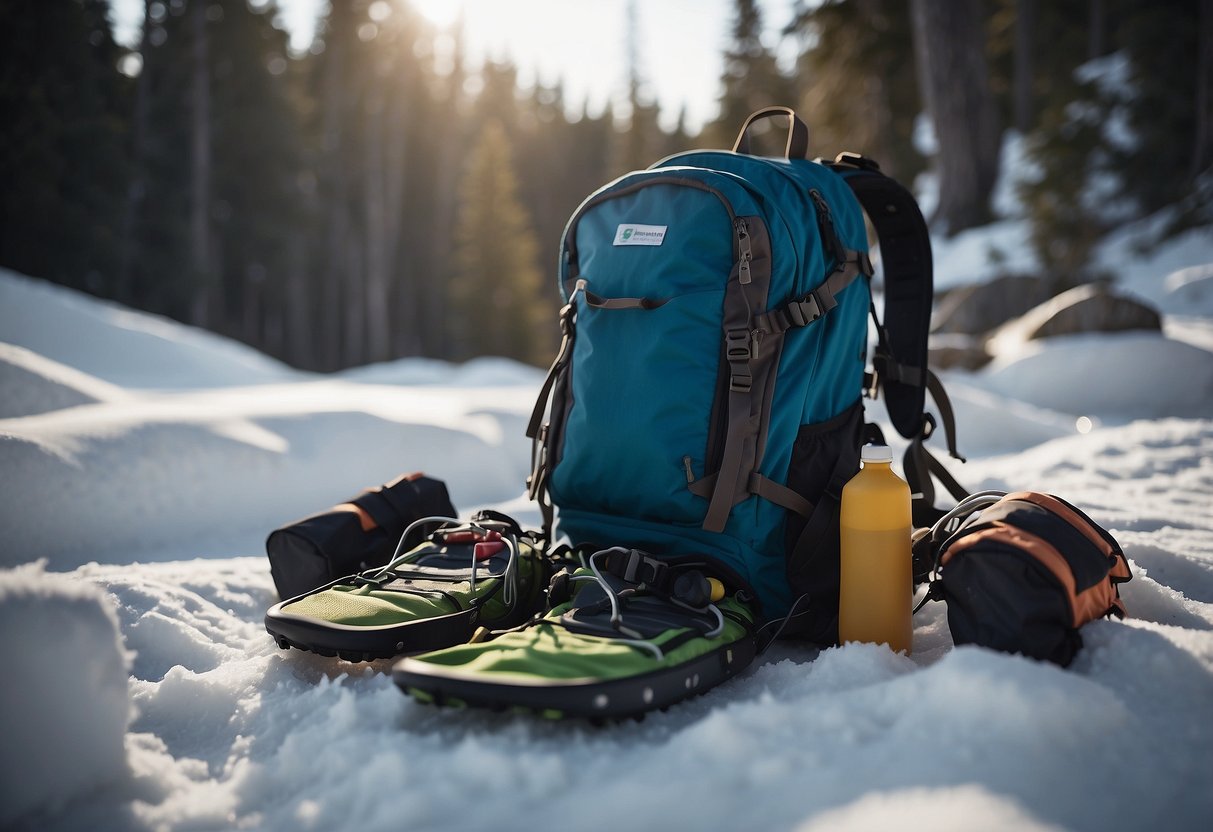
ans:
(354, 536)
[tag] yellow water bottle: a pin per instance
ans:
(876, 585)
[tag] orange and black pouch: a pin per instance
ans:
(1025, 573)
(353, 536)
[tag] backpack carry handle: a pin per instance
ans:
(797, 145)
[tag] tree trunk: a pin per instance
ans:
(435, 323)
(299, 344)
(1025, 24)
(376, 312)
(1201, 152)
(137, 187)
(200, 170)
(337, 214)
(949, 40)
(400, 274)
(354, 352)
(1097, 24)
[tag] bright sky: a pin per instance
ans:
(582, 41)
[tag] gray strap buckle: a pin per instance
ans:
(738, 349)
(640, 569)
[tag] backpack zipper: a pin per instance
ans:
(825, 224)
(744, 255)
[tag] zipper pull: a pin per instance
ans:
(744, 255)
(828, 233)
(686, 463)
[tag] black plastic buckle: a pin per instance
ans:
(642, 569)
(737, 345)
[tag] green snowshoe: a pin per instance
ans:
(464, 575)
(638, 634)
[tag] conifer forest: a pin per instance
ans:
(372, 198)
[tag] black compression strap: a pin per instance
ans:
(388, 507)
(905, 253)
(635, 567)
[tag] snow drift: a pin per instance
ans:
(65, 704)
(145, 463)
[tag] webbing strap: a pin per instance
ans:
(748, 365)
(769, 490)
(731, 464)
(537, 430)
(635, 567)
(599, 302)
(940, 397)
(804, 311)
(919, 466)
(568, 316)
(380, 509)
(887, 369)
(780, 495)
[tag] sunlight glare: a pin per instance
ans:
(441, 13)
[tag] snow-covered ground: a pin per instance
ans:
(142, 464)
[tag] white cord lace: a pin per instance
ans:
(509, 589)
(633, 636)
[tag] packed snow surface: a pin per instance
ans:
(144, 463)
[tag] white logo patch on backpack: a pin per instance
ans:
(630, 234)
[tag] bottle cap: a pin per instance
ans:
(876, 453)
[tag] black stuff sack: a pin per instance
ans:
(1024, 572)
(353, 536)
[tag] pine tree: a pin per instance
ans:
(1118, 138)
(637, 144)
(751, 80)
(160, 274)
(497, 304)
(1167, 45)
(63, 160)
(859, 88)
(256, 158)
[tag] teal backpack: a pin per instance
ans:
(707, 397)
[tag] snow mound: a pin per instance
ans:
(65, 706)
(938, 810)
(479, 372)
(988, 423)
(1116, 377)
(1161, 274)
(122, 346)
(149, 480)
(978, 254)
(31, 384)
(1190, 291)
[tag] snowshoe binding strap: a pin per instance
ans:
(637, 598)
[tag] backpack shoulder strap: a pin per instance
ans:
(900, 358)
